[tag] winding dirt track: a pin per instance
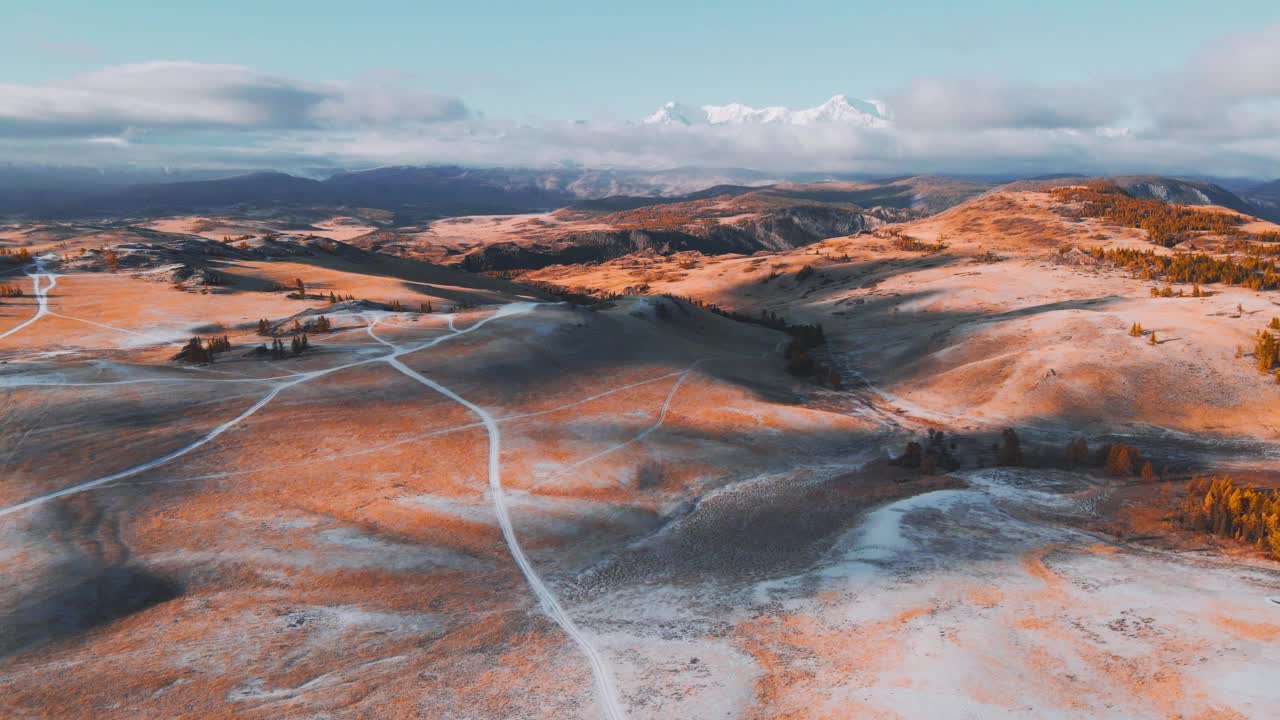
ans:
(607, 692)
(42, 297)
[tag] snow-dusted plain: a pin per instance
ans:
(530, 509)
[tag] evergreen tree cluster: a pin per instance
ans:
(200, 352)
(1165, 224)
(19, 256)
(335, 298)
(930, 456)
(1218, 506)
(910, 244)
(1251, 271)
(1266, 351)
(10, 291)
(196, 352)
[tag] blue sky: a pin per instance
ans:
(581, 60)
(1084, 86)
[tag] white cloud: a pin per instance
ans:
(936, 104)
(1219, 114)
(193, 96)
(1229, 90)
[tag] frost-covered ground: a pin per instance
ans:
(959, 604)
(328, 536)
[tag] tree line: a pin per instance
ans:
(1253, 272)
(1218, 506)
(1166, 224)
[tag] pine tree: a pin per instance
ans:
(1135, 330)
(1274, 324)
(302, 287)
(1152, 339)
(1010, 452)
(1077, 452)
(304, 344)
(296, 345)
(1148, 473)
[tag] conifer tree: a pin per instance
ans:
(1010, 452)
(1077, 452)
(1152, 339)
(264, 327)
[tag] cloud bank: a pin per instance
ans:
(1217, 114)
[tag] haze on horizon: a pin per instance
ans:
(1096, 88)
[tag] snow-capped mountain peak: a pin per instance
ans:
(674, 113)
(839, 109)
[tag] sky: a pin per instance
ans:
(1191, 86)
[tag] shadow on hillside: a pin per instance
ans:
(422, 279)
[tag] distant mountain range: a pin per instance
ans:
(839, 109)
(416, 193)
